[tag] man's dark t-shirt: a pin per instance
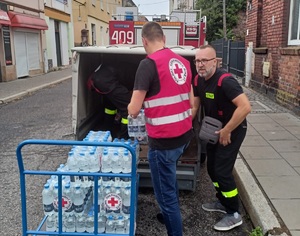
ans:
(213, 98)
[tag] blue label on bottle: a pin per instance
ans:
(79, 208)
(48, 207)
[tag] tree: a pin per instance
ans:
(213, 10)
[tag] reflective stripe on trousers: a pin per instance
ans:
(110, 112)
(124, 121)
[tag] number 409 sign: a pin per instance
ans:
(121, 32)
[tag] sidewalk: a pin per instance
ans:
(267, 171)
(271, 151)
(22, 87)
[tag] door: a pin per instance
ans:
(57, 41)
(21, 54)
(27, 51)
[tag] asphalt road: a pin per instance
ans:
(46, 114)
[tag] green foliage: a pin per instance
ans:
(229, 34)
(213, 10)
(257, 232)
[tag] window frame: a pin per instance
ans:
(291, 18)
(101, 5)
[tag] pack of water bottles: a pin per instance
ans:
(78, 202)
(137, 127)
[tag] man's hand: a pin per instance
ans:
(225, 136)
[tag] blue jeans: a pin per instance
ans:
(163, 173)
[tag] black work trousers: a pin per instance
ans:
(220, 163)
(119, 99)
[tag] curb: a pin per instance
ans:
(28, 91)
(262, 214)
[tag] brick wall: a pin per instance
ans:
(267, 26)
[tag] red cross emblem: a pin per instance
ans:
(66, 203)
(113, 201)
(178, 71)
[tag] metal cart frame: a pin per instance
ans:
(23, 172)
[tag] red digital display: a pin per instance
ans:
(121, 32)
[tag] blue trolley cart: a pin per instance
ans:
(95, 176)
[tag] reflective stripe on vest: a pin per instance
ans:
(166, 101)
(169, 119)
(124, 121)
(229, 194)
(216, 184)
(110, 112)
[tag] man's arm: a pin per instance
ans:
(243, 108)
(195, 103)
(136, 102)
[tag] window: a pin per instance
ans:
(101, 4)
(93, 2)
(294, 24)
(107, 6)
(93, 27)
(63, 1)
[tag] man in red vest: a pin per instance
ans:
(162, 86)
(223, 99)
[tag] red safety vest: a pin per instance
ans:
(168, 113)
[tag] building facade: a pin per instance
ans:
(36, 37)
(60, 34)
(181, 5)
(91, 20)
(22, 38)
(273, 34)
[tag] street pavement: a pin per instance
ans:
(267, 170)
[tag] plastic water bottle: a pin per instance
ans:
(83, 161)
(51, 223)
(141, 124)
(117, 190)
(127, 161)
(105, 162)
(48, 198)
(69, 223)
(110, 225)
(78, 200)
(71, 162)
(101, 224)
(116, 163)
(101, 210)
(93, 160)
(52, 181)
(67, 197)
(120, 225)
(126, 200)
(132, 126)
(80, 223)
(107, 190)
(127, 225)
(89, 223)
(55, 196)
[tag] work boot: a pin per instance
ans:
(229, 222)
